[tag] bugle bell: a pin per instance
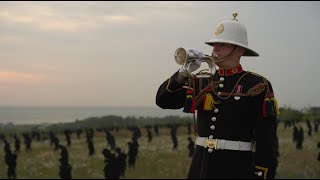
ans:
(184, 58)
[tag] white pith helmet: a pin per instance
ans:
(232, 32)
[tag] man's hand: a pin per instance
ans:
(190, 67)
(186, 70)
(195, 53)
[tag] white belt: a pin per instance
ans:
(220, 144)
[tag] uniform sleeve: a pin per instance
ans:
(171, 94)
(265, 134)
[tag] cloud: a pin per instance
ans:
(10, 38)
(44, 18)
(74, 17)
(19, 78)
(118, 18)
(49, 18)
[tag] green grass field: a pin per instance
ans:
(155, 160)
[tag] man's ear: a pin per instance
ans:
(241, 51)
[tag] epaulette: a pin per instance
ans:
(270, 104)
(256, 74)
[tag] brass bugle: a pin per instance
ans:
(184, 58)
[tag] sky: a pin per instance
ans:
(118, 53)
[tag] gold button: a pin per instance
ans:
(234, 70)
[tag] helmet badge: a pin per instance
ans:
(219, 29)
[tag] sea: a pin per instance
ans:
(59, 114)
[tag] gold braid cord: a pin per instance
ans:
(199, 97)
(234, 88)
(254, 91)
(267, 84)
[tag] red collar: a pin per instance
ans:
(231, 71)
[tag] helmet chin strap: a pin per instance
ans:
(224, 58)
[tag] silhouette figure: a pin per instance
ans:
(319, 151)
(64, 168)
(174, 138)
(149, 134)
(191, 146)
(309, 127)
(111, 168)
(10, 160)
(133, 152)
(121, 159)
(16, 143)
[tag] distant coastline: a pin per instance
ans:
(60, 114)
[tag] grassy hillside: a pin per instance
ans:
(155, 159)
